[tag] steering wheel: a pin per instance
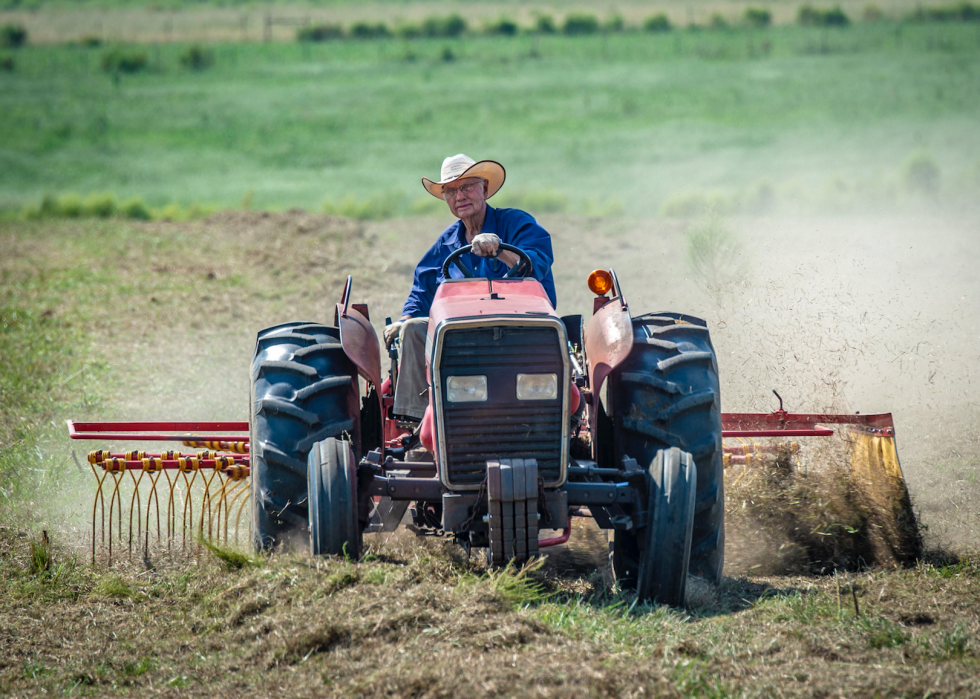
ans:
(523, 268)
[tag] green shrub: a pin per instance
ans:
(960, 12)
(135, 209)
(718, 21)
(447, 54)
(502, 27)
(13, 36)
(451, 26)
(99, 205)
(197, 58)
(757, 17)
(48, 205)
(580, 24)
(90, 42)
(70, 206)
(544, 24)
(657, 23)
(7, 63)
(369, 30)
(119, 60)
(320, 32)
(616, 23)
(813, 17)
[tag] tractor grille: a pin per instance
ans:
(502, 427)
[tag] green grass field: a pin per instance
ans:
(596, 125)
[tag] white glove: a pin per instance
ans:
(392, 332)
(486, 244)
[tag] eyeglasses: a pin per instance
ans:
(466, 189)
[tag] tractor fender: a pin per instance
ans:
(360, 341)
(608, 340)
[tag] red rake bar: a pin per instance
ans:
(784, 424)
(153, 431)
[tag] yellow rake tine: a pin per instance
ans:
(240, 488)
(139, 510)
(237, 487)
(245, 500)
(740, 476)
(151, 499)
(222, 504)
(187, 519)
(115, 501)
(214, 530)
(99, 499)
(171, 524)
(233, 495)
(206, 502)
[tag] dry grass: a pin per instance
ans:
(417, 619)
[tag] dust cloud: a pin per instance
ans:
(838, 313)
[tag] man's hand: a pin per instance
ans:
(485, 244)
(393, 331)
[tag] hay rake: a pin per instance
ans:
(204, 493)
(870, 460)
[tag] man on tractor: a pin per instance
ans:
(465, 185)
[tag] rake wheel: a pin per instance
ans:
(666, 395)
(304, 390)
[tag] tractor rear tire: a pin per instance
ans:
(666, 395)
(656, 559)
(334, 525)
(304, 390)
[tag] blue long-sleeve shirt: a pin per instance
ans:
(513, 226)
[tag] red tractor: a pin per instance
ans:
(532, 419)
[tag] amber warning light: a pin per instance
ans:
(600, 281)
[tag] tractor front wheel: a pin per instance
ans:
(655, 560)
(332, 479)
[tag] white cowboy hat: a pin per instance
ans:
(458, 166)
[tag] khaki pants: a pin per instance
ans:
(409, 398)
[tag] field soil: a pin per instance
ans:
(837, 313)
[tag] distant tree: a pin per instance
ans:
(657, 23)
(544, 24)
(580, 24)
(369, 30)
(813, 17)
(13, 36)
(504, 26)
(757, 17)
(320, 32)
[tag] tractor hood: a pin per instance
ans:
(473, 298)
